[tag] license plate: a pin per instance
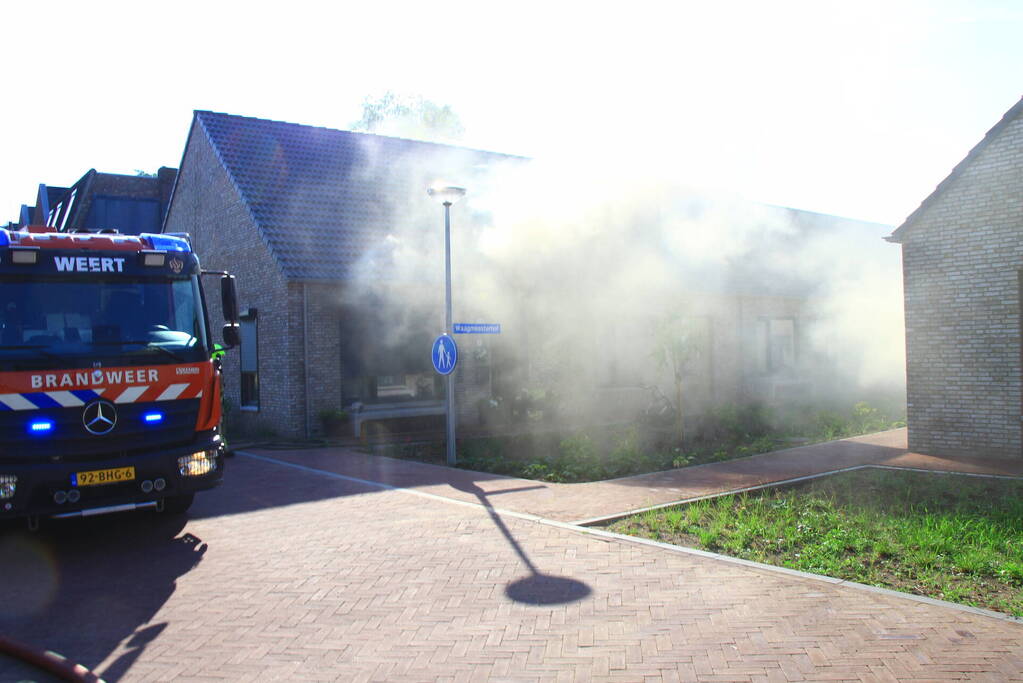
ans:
(100, 477)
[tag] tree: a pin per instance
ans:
(676, 343)
(409, 116)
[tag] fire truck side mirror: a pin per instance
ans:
(229, 299)
(232, 336)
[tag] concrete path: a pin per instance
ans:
(292, 571)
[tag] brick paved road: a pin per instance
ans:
(296, 575)
(599, 499)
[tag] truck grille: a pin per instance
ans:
(69, 439)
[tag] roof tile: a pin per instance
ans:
(323, 197)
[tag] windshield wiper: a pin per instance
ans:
(34, 347)
(144, 342)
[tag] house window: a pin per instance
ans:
(776, 344)
(385, 355)
(249, 362)
(406, 386)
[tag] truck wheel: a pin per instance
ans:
(177, 505)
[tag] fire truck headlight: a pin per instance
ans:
(197, 464)
(8, 485)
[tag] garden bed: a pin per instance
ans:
(950, 537)
(610, 451)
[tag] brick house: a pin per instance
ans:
(131, 204)
(317, 224)
(307, 219)
(962, 258)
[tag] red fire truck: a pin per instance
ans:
(109, 395)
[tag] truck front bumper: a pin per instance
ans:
(62, 488)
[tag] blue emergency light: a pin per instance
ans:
(154, 417)
(5, 238)
(40, 426)
(167, 242)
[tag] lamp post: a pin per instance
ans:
(448, 195)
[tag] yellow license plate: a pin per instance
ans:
(100, 477)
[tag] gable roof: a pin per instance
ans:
(1006, 119)
(321, 198)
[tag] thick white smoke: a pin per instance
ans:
(564, 256)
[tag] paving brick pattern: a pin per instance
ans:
(583, 502)
(293, 574)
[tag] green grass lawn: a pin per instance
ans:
(950, 537)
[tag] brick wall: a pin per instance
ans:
(322, 372)
(601, 361)
(207, 206)
(472, 376)
(960, 265)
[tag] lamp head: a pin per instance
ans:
(446, 194)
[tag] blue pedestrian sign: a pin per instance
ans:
(444, 354)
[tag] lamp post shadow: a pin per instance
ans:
(538, 588)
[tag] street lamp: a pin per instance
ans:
(448, 195)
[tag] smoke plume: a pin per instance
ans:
(579, 265)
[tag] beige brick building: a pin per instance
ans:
(962, 257)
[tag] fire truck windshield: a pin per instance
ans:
(117, 319)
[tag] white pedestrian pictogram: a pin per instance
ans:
(443, 356)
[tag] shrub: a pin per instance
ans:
(682, 460)
(737, 422)
(335, 422)
(830, 425)
(609, 452)
(578, 447)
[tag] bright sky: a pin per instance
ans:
(852, 108)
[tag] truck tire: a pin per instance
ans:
(178, 505)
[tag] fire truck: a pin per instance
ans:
(109, 392)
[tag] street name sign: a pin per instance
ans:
(477, 328)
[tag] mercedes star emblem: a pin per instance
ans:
(99, 417)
